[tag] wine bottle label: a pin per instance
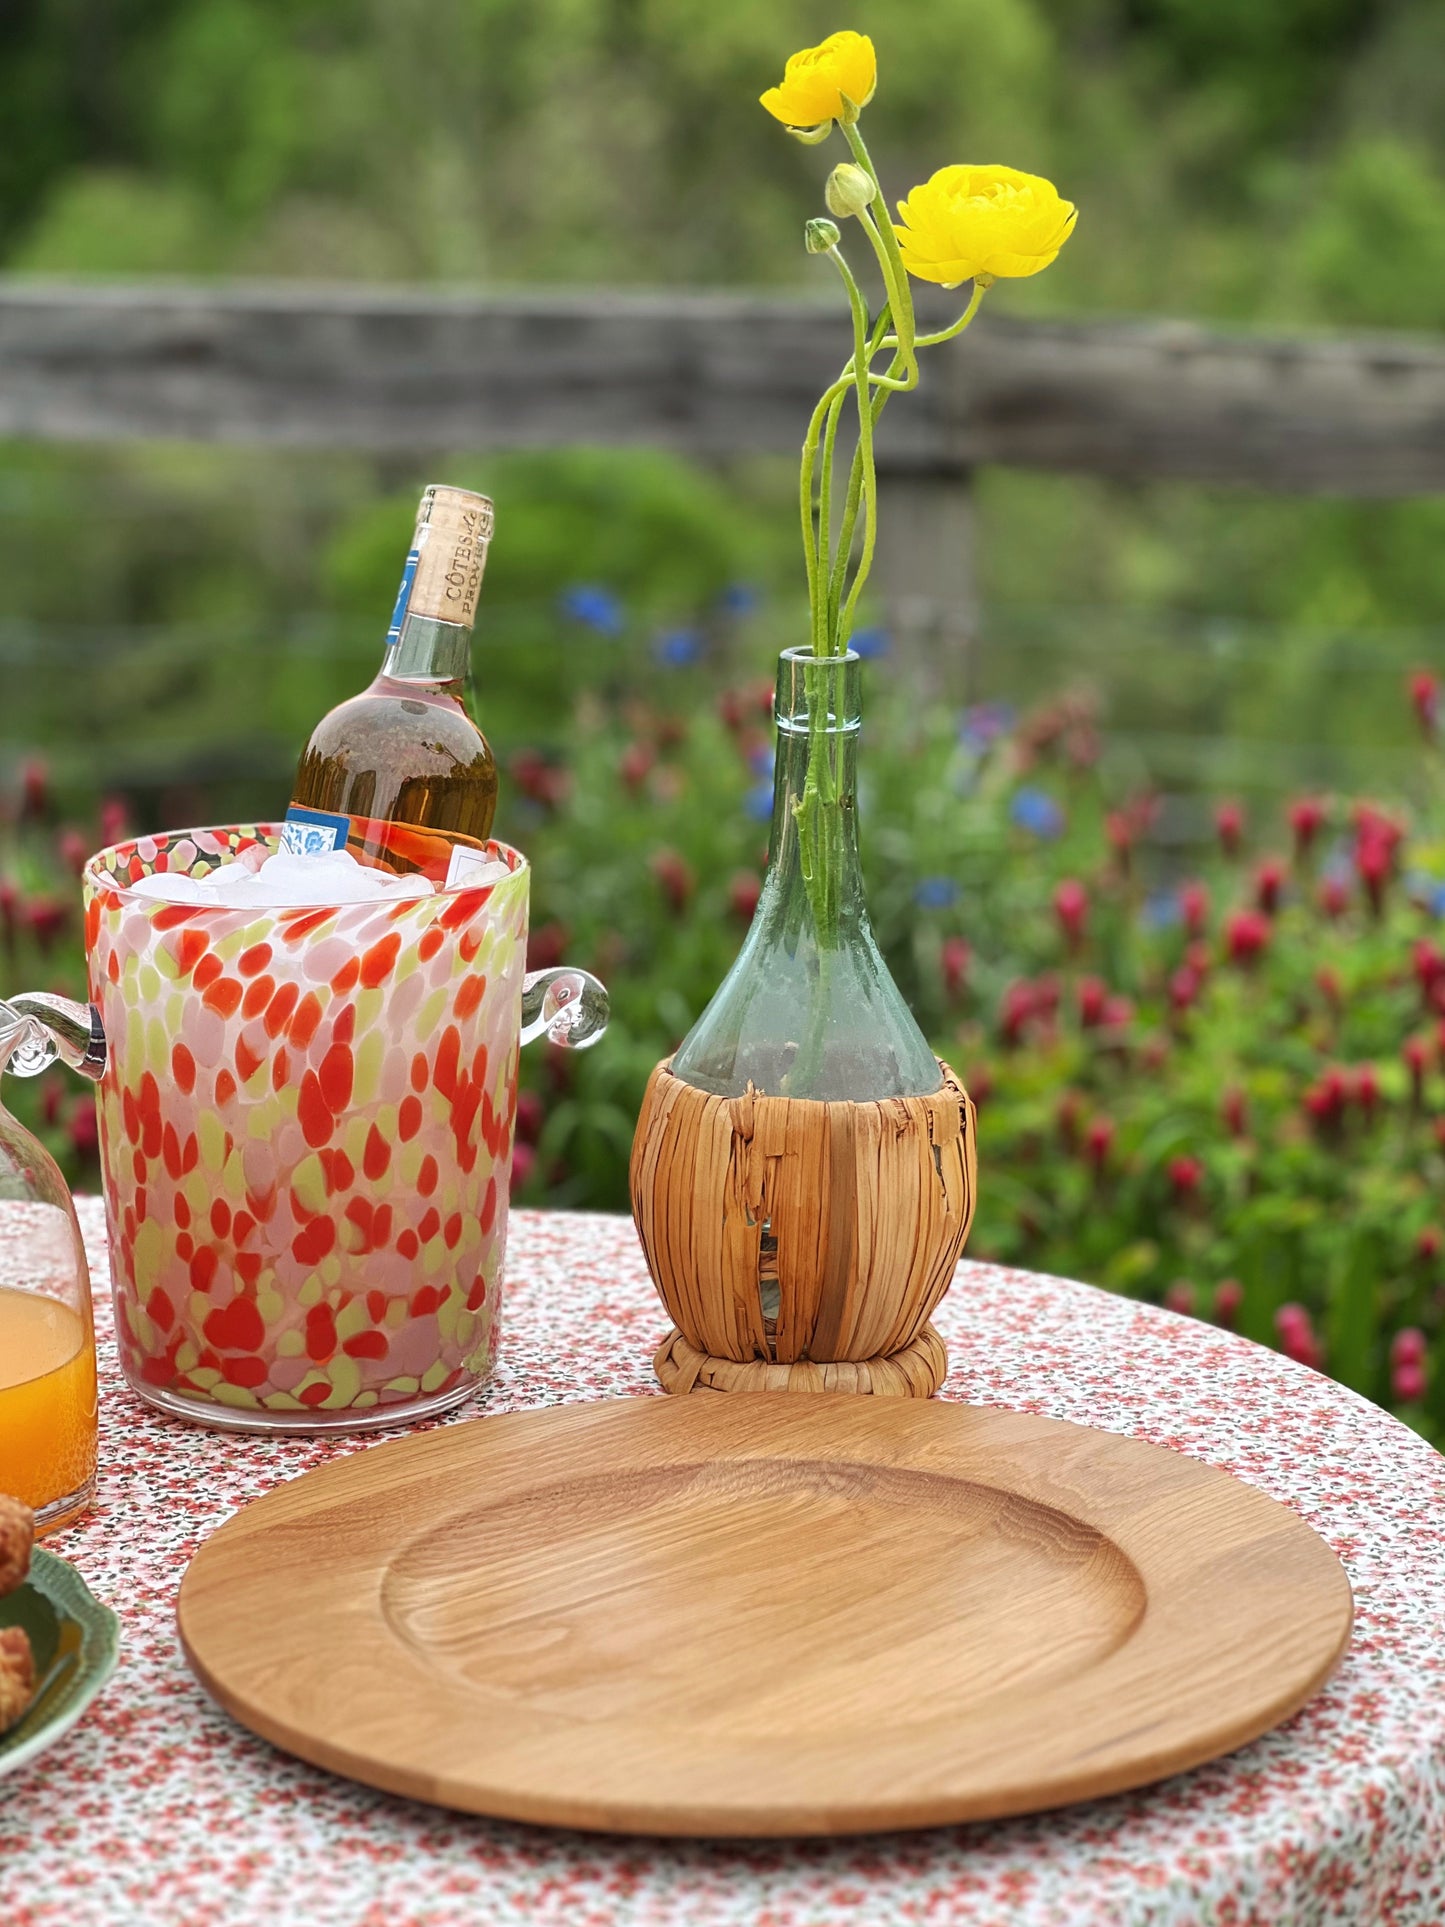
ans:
(403, 596)
(313, 832)
(451, 554)
(464, 861)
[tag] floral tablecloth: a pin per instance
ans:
(158, 1810)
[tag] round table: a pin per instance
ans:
(157, 1809)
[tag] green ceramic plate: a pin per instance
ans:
(75, 1641)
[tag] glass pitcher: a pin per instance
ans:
(47, 1342)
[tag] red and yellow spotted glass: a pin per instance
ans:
(306, 1132)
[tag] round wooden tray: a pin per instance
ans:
(753, 1615)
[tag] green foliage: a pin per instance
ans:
(1228, 159)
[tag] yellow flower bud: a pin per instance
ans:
(827, 83)
(970, 222)
(849, 189)
(820, 236)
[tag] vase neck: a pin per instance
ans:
(817, 714)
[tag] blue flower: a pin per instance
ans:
(936, 893)
(1161, 910)
(759, 802)
(871, 644)
(1037, 812)
(739, 598)
(678, 648)
(984, 723)
(760, 760)
(593, 606)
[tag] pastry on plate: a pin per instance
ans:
(17, 1662)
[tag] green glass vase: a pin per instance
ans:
(809, 1008)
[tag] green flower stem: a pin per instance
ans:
(895, 275)
(855, 479)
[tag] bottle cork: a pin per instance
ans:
(453, 528)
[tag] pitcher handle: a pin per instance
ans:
(56, 1027)
(566, 1005)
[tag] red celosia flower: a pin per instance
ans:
(1016, 1007)
(1194, 908)
(1427, 963)
(1098, 1140)
(1407, 1381)
(1186, 1174)
(1425, 700)
(1093, 1001)
(981, 1084)
(1047, 991)
(530, 1113)
(1329, 986)
(1119, 828)
(1325, 1100)
(1416, 1053)
(547, 946)
(743, 893)
(1306, 819)
(1373, 861)
(81, 1127)
(956, 956)
(1117, 1012)
(675, 877)
(1407, 1347)
(1234, 1108)
(635, 764)
(1429, 1243)
(1228, 1300)
(1184, 987)
(34, 786)
(1334, 896)
(1071, 907)
(45, 917)
(114, 821)
(73, 847)
(1268, 882)
(1246, 934)
(730, 708)
(1297, 1335)
(1180, 1297)
(1229, 822)
(1367, 1089)
(524, 1162)
(9, 910)
(52, 1096)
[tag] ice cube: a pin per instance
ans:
(284, 882)
(478, 876)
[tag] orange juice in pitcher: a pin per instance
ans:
(47, 1343)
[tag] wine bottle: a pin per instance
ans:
(401, 775)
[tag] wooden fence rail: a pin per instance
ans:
(709, 373)
(720, 374)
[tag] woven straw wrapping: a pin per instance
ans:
(850, 1216)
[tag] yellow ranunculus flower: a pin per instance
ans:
(816, 81)
(967, 221)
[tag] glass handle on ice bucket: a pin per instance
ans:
(58, 1027)
(566, 1005)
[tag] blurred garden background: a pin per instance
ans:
(1160, 864)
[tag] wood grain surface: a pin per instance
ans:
(753, 1615)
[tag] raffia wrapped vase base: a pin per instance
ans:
(802, 1246)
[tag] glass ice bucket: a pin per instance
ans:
(306, 1132)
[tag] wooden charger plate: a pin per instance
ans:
(744, 1614)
